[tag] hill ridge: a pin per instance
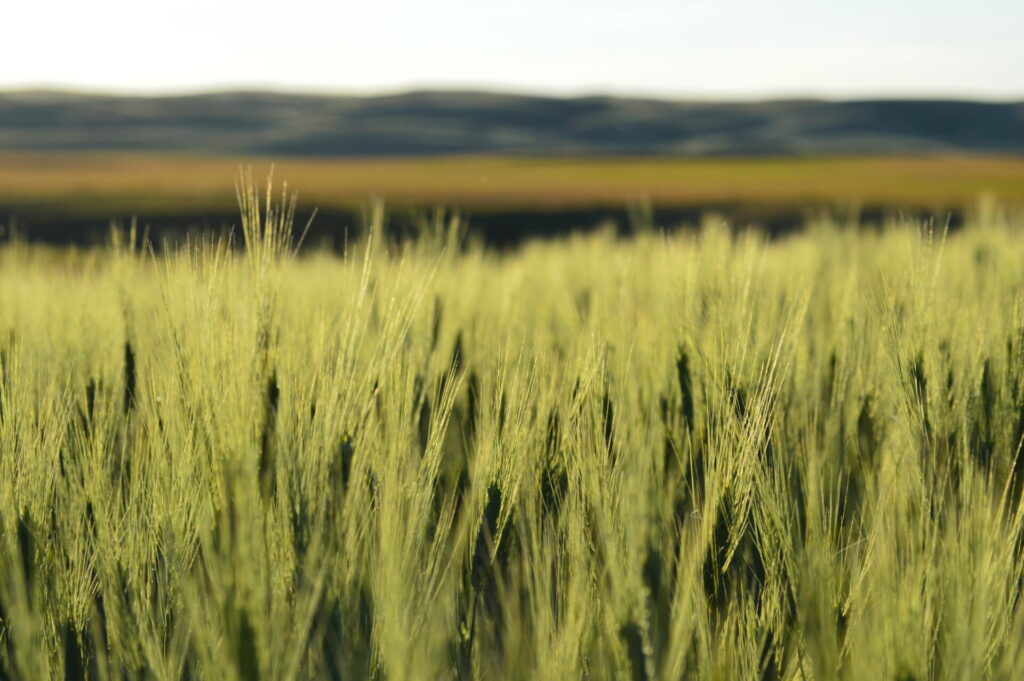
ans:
(434, 122)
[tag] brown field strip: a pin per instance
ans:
(115, 183)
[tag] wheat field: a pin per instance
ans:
(691, 455)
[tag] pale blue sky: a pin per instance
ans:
(687, 48)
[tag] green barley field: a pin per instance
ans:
(691, 455)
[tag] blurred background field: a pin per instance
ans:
(117, 183)
(71, 197)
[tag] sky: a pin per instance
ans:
(733, 49)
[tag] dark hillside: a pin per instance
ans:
(434, 123)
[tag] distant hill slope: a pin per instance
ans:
(432, 123)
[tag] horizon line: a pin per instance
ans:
(541, 93)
